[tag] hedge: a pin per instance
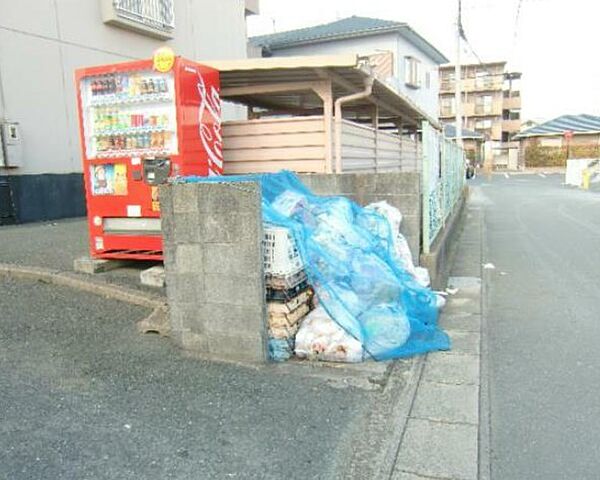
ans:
(536, 156)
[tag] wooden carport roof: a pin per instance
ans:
(303, 85)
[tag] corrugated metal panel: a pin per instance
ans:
(558, 126)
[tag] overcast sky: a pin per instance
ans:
(554, 42)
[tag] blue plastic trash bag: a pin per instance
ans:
(280, 349)
(350, 259)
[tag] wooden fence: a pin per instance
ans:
(300, 144)
(270, 145)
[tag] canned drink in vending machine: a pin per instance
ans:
(131, 114)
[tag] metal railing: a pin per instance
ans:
(483, 109)
(159, 14)
(443, 182)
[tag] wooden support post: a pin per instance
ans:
(375, 123)
(417, 152)
(399, 127)
(325, 92)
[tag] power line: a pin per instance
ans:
(461, 32)
(473, 51)
(516, 29)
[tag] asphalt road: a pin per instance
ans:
(84, 396)
(544, 327)
(56, 244)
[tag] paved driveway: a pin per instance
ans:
(56, 244)
(83, 396)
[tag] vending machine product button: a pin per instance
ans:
(134, 210)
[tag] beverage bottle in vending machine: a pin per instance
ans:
(124, 85)
(114, 119)
(105, 119)
(162, 85)
(132, 84)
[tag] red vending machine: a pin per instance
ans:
(141, 123)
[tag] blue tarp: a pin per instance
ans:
(350, 262)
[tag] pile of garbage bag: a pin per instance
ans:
(359, 268)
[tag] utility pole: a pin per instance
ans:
(458, 79)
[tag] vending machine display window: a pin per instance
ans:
(129, 113)
(141, 124)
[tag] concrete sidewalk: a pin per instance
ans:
(441, 438)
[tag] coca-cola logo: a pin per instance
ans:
(210, 125)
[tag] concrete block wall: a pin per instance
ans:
(212, 237)
(400, 189)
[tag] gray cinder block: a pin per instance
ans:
(214, 269)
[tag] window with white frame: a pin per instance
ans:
(483, 124)
(447, 80)
(412, 72)
(447, 106)
(483, 79)
(483, 104)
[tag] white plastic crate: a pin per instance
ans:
(281, 257)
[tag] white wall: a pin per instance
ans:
(425, 98)
(42, 42)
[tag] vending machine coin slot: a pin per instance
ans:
(141, 126)
(156, 170)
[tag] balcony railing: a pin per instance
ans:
(472, 84)
(483, 110)
(511, 126)
(447, 85)
(154, 17)
(511, 103)
(155, 13)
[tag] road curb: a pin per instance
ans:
(79, 282)
(376, 444)
(484, 450)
